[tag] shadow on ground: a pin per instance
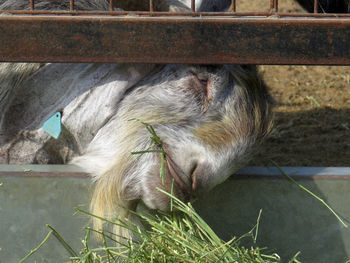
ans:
(319, 137)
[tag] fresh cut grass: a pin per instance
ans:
(179, 236)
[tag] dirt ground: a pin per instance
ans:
(312, 111)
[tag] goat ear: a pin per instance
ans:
(141, 5)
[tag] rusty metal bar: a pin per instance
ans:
(193, 5)
(174, 14)
(232, 6)
(175, 40)
(276, 6)
(71, 5)
(31, 5)
(315, 6)
(273, 5)
(151, 9)
(111, 5)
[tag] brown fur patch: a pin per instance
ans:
(216, 134)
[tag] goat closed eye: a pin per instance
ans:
(203, 81)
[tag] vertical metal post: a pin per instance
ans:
(315, 6)
(71, 5)
(31, 5)
(111, 5)
(274, 6)
(151, 9)
(193, 5)
(232, 6)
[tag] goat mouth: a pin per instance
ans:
(177, 173)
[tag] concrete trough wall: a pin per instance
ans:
(291, 221)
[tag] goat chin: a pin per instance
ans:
(207, 120)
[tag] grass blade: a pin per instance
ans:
(311, 193)
(257, 226)
(63, 242)
(37, 248)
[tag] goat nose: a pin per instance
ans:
(194, 182)
(192, 176)
(201, 179)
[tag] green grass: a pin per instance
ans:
(179, 236)
(156, 146)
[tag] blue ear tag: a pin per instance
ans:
(53, 125)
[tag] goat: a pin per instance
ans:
(208, 119)
(326, 6)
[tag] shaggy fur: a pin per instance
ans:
(209, 118)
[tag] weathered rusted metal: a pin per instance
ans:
(151, 6)
(315, 6)
(196, 38)
(193, 5)
(31, 3)
(274, 5)
(304, 16)
(71, 5)
(232, 6)
(111, 5)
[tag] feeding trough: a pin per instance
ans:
(32, 196)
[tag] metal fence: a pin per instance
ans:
(268, 37)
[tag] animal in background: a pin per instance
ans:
(208, 118)
(326, 6)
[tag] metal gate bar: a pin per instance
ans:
(203, 15)
(200, 40)
(164, 37)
